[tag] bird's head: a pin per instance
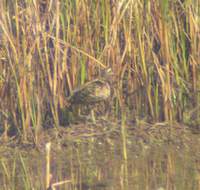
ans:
(107, 74)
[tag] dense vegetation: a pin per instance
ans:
(48, 48)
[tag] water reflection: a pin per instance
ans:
(98, 164)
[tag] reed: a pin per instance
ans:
(49, 184)
(48, 48)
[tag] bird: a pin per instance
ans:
(87, 95)
(94, 91)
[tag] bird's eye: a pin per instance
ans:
(109, 70)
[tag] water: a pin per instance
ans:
(97, 163)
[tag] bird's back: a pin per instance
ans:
(91, 92)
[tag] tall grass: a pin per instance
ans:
(48, 48)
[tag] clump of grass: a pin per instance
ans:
(50, 47)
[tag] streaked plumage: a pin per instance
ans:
(92, 92)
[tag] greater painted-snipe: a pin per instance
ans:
(87, 95)
(94, 91)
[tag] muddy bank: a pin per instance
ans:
(140, 136)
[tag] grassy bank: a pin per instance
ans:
(48, 48)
